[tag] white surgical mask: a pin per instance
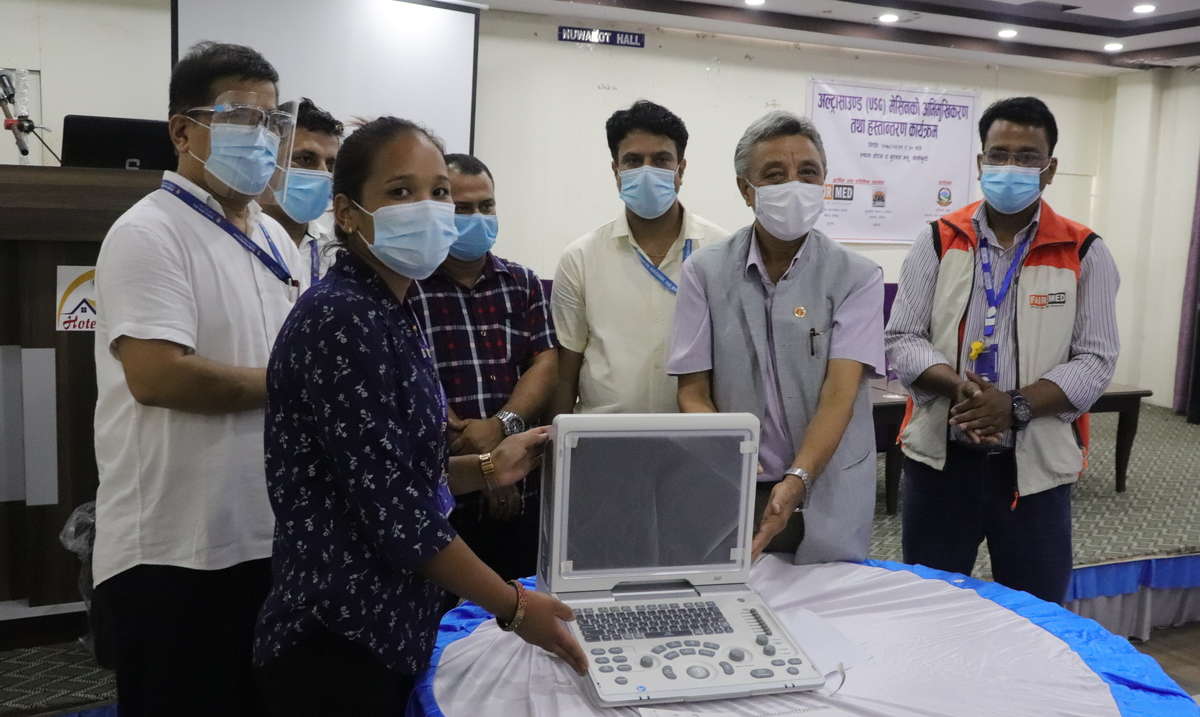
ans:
(789, 211)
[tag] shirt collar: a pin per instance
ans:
(205, 196)
(690, 229)
(351, 267)
(984, 231)
(754, 256)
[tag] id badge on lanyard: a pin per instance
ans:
(984, 352)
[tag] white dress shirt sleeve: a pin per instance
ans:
(567, 303)
(143, 289)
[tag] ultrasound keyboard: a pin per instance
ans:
(681, 649)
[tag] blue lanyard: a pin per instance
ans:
(273, 261)
(994, 300)
(658, 273)
(314, 262)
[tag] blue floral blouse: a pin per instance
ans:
(356, 471)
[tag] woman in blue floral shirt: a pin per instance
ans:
(358, 469)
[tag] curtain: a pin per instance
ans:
(1188, 316)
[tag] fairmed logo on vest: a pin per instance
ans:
(1041, 301)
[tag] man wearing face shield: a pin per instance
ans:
(487, 321)
(193, 282)
(784, 323)
(1004, 329)
(614, 291)
(303, 209)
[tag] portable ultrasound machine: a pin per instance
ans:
(646, 528)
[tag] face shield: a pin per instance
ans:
(250, 145)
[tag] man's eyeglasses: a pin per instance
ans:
(280, 123)
(1022, 159)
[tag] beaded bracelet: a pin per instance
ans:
(518, 616)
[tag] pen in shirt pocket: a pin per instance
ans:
(812, 341)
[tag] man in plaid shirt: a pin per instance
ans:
(488, 323)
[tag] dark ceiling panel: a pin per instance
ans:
(1047, 15)
(829, 26)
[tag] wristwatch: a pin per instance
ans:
(512, 422)
(806, 479)
(1022, 412)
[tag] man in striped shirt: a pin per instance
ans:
(488, 324)
(1004, 330)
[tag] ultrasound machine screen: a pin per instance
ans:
(640, 501)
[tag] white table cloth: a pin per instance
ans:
(934, 646)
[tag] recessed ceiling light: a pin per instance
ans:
(889, 17)
(1114, 47)
(1007, 33)
(755, 3)
(1144, 8)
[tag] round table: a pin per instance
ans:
(933, 644)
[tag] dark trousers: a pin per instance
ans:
(181, 639)
(510, 547)
(326, 675)
(947, 514)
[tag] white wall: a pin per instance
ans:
(542, 106)
(109, 58)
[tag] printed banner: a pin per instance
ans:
(76, 298)
(898, 158)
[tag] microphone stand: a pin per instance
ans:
(20, 124)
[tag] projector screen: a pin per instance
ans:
(355, 58)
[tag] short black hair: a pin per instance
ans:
(1025, 111)
(315, 119)
(467, 164)
(354, 157)
(192, 77)
(648, 117)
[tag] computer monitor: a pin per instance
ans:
(116, 143)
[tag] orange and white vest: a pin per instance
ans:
(1049, 451)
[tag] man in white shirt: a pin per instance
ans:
(303, 209)
(614, 291)
(193, 282)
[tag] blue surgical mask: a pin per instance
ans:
(307, 195)
(242, 157)
(648, 191)
(1009, 188)
(413, 239)
(476, 235)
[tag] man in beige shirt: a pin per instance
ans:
(614, 291)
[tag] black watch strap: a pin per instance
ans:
(1022, 412)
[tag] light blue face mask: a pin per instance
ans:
(476, 235)
(1009, 188)
(308, 194)
(648, 191)
(242, 157)
(412, 239)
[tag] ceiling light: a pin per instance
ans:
(889, 17)
(1144, 8)
(1007, 33)
(755, 3)
(1114, 47)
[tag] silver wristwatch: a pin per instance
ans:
(512, 423)
(806, 479)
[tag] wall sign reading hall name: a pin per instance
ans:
(601, 37)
